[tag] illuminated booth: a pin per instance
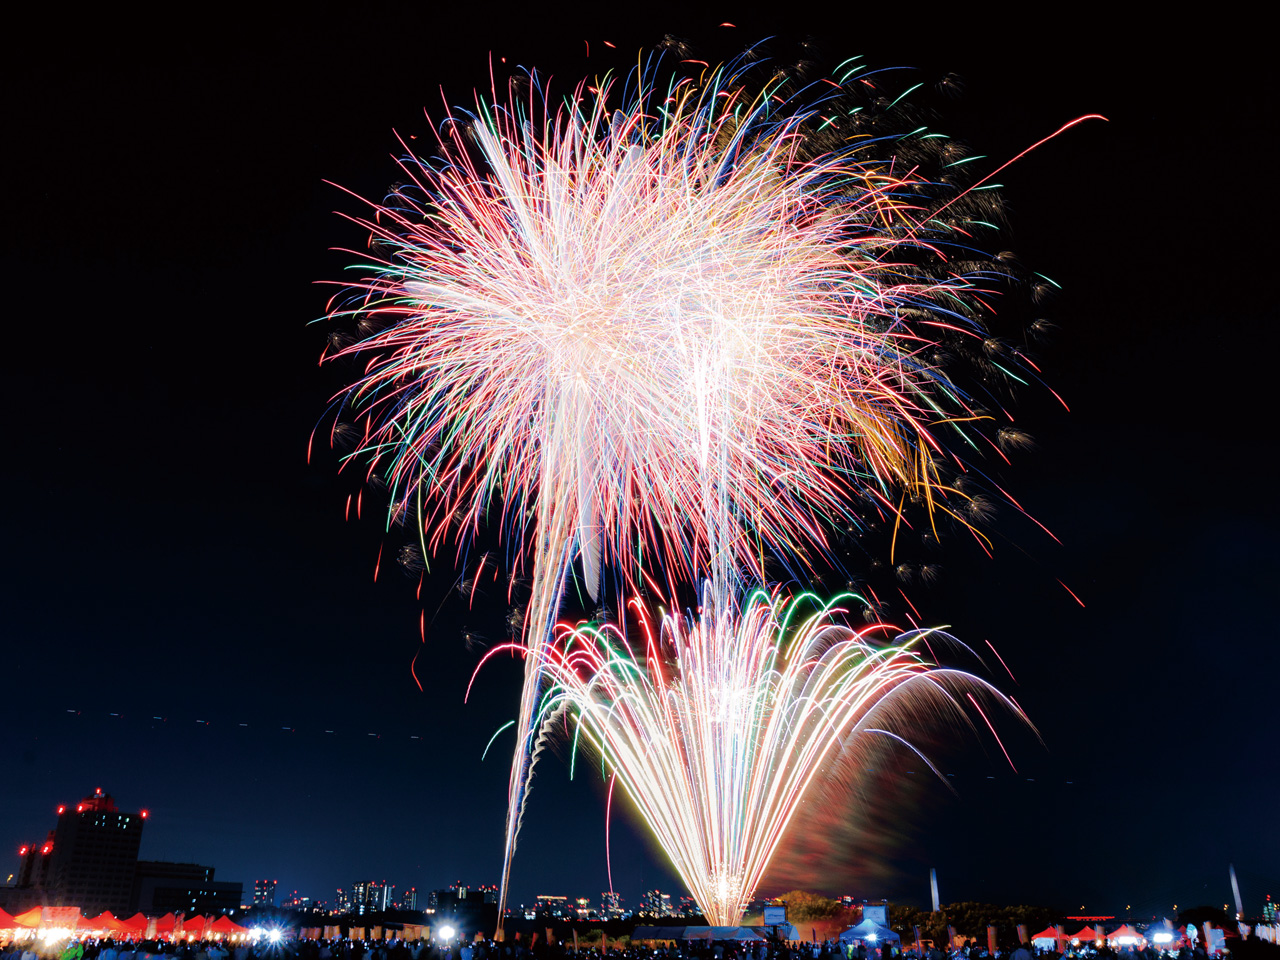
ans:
(870, 933)
(1126, 936)
(1086, 935)
(224, 927)
(1046, 939)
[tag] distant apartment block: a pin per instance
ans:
(264, 893)
(610, 904)
(656, 904)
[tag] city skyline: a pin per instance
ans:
(194, 621)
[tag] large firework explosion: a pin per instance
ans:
(665, 332)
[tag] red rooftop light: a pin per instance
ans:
(46, 848)
(143, 814)
(22, 851)
(62, 808)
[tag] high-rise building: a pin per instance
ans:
(371, 896)
(548, 905)
(33, 871)
(90, 860)
(92, 854)
(656, 903)
(462, 893)
(409, 899)
(264, 893)
(611, 904)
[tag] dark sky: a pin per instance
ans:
(168, 553)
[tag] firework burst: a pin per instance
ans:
(655, 325)
(665, 339)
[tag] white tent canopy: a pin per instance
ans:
(783, 931)
(868, 931)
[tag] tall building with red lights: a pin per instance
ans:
(94, 853)
(264, 893)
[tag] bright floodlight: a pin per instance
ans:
(275, 936)
(447, 932)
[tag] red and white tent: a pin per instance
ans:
(226, 927)
(1046, 939)
(136, 924)
(106, 922)
(166, 923)
(193, 927)
(1125, 934)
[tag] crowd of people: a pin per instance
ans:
(398, 949)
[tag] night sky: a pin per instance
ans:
(169, 553)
